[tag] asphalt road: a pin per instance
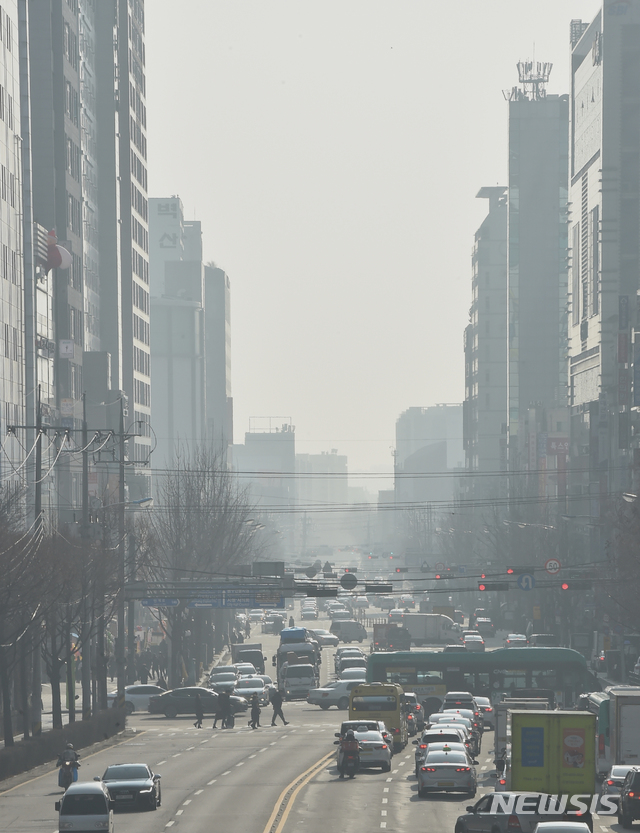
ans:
(234, 780)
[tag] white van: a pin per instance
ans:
(298, 680)
(86, 806)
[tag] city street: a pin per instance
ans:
(236, 779)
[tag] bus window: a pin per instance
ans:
(510, 681)
(477, 683)
(401, 676)
(545, 679)
(430, 678)
(372, 703)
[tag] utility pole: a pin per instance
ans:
(88, 564)
(36, 677)
(122, 550)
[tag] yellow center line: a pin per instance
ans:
(301, 781)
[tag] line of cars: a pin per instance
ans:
(89, 805)
(445, 754)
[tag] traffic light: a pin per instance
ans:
(438, 575)
(565, 585)
(576, 584)
(402, 569)
(493, 585)
(351, 569)
(518, 571)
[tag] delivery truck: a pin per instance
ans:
(426, 628)
(624, 724)
(552, 752)
(249, 652)
(501, 711)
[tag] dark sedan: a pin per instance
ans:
(132, 785)
(182, 701)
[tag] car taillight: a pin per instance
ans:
(423, 746)
(488, 709)
(502, 781)
(418, 708)
(463, 769)
(428, 769)
(631, 795)
(513, 823)
(396, 731)
(610, 783)
(384, 746)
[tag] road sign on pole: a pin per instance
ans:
(159, 602)
(439, 566)
(526, 581)
(553, 566)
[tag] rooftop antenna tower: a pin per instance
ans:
(534, 77)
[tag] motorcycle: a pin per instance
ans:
(350, 764)
(67, 774)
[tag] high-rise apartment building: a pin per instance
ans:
(537, 277)
(89, 181)
(12, 324)
(604, 239)
(485, 345)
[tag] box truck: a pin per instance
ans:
(426, 628)
(624, 724)
(552, 752)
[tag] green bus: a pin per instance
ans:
(514, 672)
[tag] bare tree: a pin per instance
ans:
(199, 530)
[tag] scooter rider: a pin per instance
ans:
(350, 748)
(69, 755)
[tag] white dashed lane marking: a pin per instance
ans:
(188, 801)
(177, 755)
(209, 783)
(197, 792)
(160, 763)
(228, 772)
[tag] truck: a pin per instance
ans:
(552, 752)
(295, 653)
(297, 680)
(426, 628)
(249, 652)
(445, 610)
(390, 637)
(500, 737)
(624, 724)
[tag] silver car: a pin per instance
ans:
(446, 770)
(452, 735)
(248, 686)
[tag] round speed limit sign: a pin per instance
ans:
(553, 566)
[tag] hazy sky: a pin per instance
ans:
(333, 151)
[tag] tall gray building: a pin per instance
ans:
(191, 338)
(605, 254)
(485, 345)
(537, 278)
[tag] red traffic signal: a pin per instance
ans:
(510, 570)
(564, 585)
(438, 575)
(482, 587)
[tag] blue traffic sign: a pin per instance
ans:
(239, 598)
(159, 602)
(526, 581)
(462, 570)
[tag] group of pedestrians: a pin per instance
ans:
(225, 711)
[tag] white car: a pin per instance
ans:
(332, 694)
(374, 750)
(248, 686)
(472, 642)
(446, 770)
(256, 615)
(136, 697)
(359, 674)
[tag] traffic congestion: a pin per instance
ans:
(318, 694)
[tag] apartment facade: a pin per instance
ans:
(485, 347)
(604, 235)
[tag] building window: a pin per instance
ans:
(575, 274)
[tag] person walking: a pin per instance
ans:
(199, 712)
(255, 713)
(276, 701)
